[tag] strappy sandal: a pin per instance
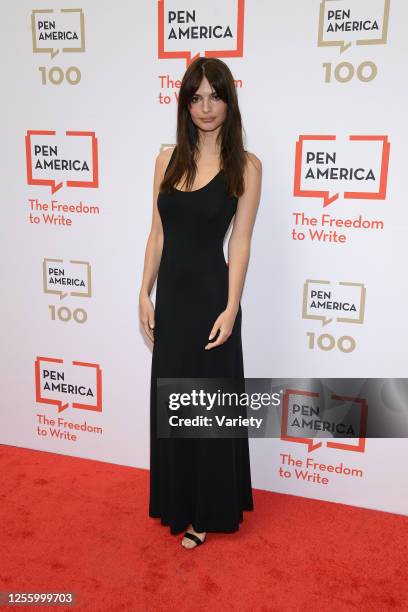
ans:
(196, 539)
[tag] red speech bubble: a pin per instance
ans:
(311, 445)
(237, 52)
(327, 198)
(94, 182)
(57, 402)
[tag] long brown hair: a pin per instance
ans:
(233, 155)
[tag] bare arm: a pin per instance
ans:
(239, 249)
(240, 241)
(153, 253)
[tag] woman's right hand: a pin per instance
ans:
(146, 314)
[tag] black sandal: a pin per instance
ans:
(195, 538)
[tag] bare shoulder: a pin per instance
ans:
(255, 164)
(163, 158)
(253, 172)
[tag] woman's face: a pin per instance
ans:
(207, 110)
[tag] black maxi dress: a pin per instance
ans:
(202, 481)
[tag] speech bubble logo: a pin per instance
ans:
(48, 261)
(68, 21)
(186, 54)
(344, 11)
(310, 286)
(309, 442)
(55, 186)
(56, 401)
(301, 153)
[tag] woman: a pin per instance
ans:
(200, 185)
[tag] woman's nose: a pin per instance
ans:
(206, 104)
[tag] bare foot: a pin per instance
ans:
(187, 543)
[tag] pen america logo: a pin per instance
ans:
(57, 31)
(360, 22)
(67, 278)
(69, 158)
(186, 30)
(326, 166)
(347, 24)
(341, 303)
(307, 412)
(62, 384)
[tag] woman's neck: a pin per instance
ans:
(207, 143)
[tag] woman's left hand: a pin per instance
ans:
(224, 323)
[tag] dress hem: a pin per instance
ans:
(209, 529)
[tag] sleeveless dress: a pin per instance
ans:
(202, 481)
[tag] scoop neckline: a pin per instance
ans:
(200, 188)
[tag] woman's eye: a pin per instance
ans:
(214, 95)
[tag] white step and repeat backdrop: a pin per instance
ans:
(89, 97)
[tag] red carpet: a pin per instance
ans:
(71, 524)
